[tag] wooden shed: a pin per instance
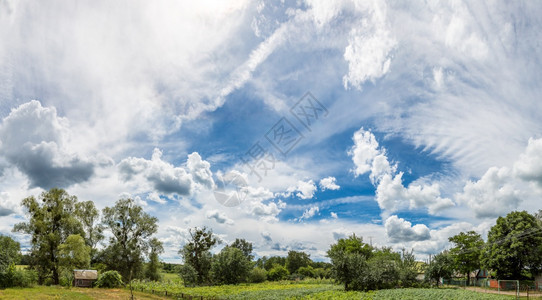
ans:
(84, 278)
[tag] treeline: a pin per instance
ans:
(65, 234)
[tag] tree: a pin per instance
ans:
(514, 246)
(440, 267)
(296, 260)
(93, 230)
(466, 252)
(153, 267)
(196, 253)
(408, 268)
(10, 252)
(277, 272)
(230, 266)
(349, 259)
(244, 246)
(73, 254)
(268, 263)
(131, 230)
(52, 220)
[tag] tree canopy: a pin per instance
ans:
(466, 252)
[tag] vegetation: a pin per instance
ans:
(131, 228)
(440, 267)
(109, 279)
(466, 252)
(197, 257)
(230, 266)
(514, 246)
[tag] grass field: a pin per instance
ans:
(57, 292)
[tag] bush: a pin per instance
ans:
(278, 272)
(257, 275)
(12, 277)
(307, 272)
(189, 275)
(230, 266)
(109, 279)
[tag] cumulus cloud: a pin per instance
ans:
(329, 183)
(154, 196)
(7, 206)
(529, 165)
(37, 141)
(334, 215)
(219, 217)
(303, 190)
(266, 212)
(163, 176)
(493, 195)
(364, 151)
(400, 230)
(309, 213)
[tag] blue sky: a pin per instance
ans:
(432, 125)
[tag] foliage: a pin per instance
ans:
(244, 246)
(131, 228)
(109, 279)
(441, 266)
(93, 230)
(268, 263)
(278, 272)
(307, 271)
(152, 270)
(514, 244)
(13, 277)
(296, 260)
(408, 269)
(10, 252)
(257, 275)
(230, 266)
(188, 274)
(349, 258)
(196, 253)
(58, 292)
(72, 254)
(466, 252)
(51, 220)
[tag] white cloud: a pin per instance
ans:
(400, 230)
(163, 176)
(493, 195)
(38, 142)
(529, 165)
(200, 170)
(334, 215)
(364, 151)
(309, 213)
(303, 190)
(219, 217)
(329, 183)
(154, 196)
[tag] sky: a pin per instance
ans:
(290, 124)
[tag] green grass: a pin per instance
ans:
(408, 294)
(173, 277)
(57, 292)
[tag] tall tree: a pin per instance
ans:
(51, 220)
(196, 253)
(349, 259)
(296, 260)
(73, 254)
(514, 245)
(442, 266)
(10, 252)
(230, 266)
(466, 252)
(131, 230)
(244, 246)
(89, 217)
(153, 267)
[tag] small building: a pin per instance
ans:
(84, 278)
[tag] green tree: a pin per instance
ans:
(72, 254)
(408, 268)
(51, 220)
(277, 272)
(257, 275)
(514, 246)
(230, 266)
(466, 252)
(93, 231)
(10, 252)
(307, 271)
(349, 259)
(196, 253)
(296, 260)
(268, 263)
(442, 266)
(131, 230)
(244, 246)
(382, 270)
(152, 271)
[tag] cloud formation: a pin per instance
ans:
(329, 183)
(400, 230)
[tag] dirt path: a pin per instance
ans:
(511, 293)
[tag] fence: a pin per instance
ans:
(517, 288)
(174, 295)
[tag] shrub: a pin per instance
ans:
(257, 275)
(307, 272)
(109, 279)
(230, 266)
(189, 275)
(12, 277)
(278, 272)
